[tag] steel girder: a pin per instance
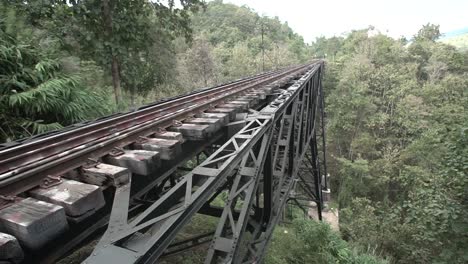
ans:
(257, 167)
(312, 176)
(302, 141)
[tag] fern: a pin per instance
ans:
(36, 95)
(38, 127)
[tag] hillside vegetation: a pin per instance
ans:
(397, 125)
(63, 63)
(228, 43)
(398, 144)
(306, 241)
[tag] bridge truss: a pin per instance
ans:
(139, 178)
(258, 167)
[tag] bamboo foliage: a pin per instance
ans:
(35, 95)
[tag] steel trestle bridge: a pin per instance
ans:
(134, 180)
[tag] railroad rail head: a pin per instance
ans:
(143, 175)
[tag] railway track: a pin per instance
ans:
(57, 190)
(23, 166)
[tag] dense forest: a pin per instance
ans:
(398, 140)
(398, 151)
(57, 56)
(397, 129)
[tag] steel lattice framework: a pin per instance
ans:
(280, 148)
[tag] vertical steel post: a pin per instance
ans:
(322, 120)
(316, 174)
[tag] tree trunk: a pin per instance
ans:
(205, 75)
(116, 79)
(115, 68)
(132, 98)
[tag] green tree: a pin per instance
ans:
(308, 241)
(429, 32)
(396, 123)
(200, 61)
(120, 34)
(36, 94)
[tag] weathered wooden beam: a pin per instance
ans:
(170, 135)
(243, 104)
(253, 100)
(10, 250)
(168, 149)
(215, 124)
(224, 118)
(229, 111)
(105, 175)
(237, 107)
(79, 200)
(193, 131)
(142, 162)
(258, 93)
(34, 223)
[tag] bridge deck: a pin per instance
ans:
(129, 166)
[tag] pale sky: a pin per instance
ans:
(396, 18)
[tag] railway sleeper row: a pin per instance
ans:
(34, 219)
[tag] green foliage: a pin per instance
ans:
(397, 143)
(327, 47)
(198, 62)
(228, 45)
(131, 40)
(307, 241)
(139, 48)
(429, 32)
(36, 95)
(397, 123)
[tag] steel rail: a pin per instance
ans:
(28, 176)
(14, 157)
(123, 243)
